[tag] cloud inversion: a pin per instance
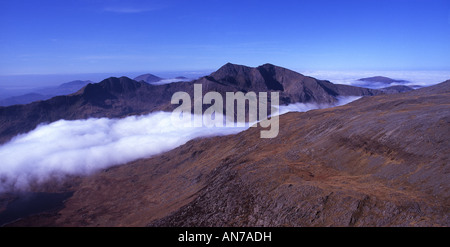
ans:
(80, 147)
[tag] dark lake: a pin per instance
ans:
(27, 204)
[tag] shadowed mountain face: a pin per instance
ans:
(113, 97)
(293, 87)
(396, 89)
(379, 161)
(120, 97)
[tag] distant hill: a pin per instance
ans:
(45, 93)
(148, 78)
(381, 79)
(73, 85)
(24, 99)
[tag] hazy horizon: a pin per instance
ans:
(335, 76)
(16, 85)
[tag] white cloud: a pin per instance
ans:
(81, 147)
(304, 107)
(168, 81)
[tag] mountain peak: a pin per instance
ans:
(295, 86)
(110, 88)
(112, 85)
(75, 83)
(238, 75)
(149, 78)
(231, 68)
(268, 65)
(120, 84)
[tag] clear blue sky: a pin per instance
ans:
(94, 36)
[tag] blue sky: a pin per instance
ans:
(101, 36)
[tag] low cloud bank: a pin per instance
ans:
(167, 81)
(413, 78)
(81, 147)
(304, 107)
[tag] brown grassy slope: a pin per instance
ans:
(379, 161)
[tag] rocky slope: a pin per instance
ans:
(379, 161)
